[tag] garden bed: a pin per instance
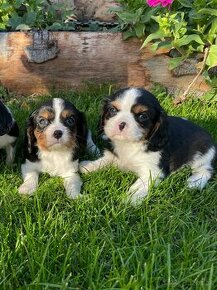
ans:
(35, 62)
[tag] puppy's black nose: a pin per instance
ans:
(58, 134)
(122, 125)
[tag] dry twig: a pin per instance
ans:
(180, 99)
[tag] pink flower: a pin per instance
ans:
(164, 3)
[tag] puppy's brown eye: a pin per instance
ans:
(43, 122)
(141, 118)
(112, 111)
(70, 121)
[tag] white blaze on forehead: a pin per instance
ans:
(128, 99)
(58, 108)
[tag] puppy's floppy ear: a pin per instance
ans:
(158, 136)
(30, 142)
(6, 120)
(81, 129)
(104, 111)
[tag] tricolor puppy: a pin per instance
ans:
(9, 132)
(55, 136)
(151, 144)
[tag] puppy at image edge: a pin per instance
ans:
(55, 136)
(144, 140)
(9, 133)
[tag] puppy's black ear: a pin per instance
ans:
(159, 135)
(30, 142)
(6, 120)
(104, 112)
(81, 129)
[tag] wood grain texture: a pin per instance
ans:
(96, 57)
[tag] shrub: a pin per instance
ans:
(27, 14)
(188, 26)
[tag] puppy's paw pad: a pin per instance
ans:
(27, 188)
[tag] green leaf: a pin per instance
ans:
(2, 26)
(210, 95)
(23, 27)
(127, 34)
(212, 56)
(185, 3)
(139, 29)
(200, 48)
(56, 26)
(18, 3)
(115, 9)
(147, 15)
(208, 11)
(152, 36)
(213, 31)
(15, 20)
(186, 39)
(30, 18)
(175, 62)
(165, 44)
(69, 26)
(127, 17)
(5, 6)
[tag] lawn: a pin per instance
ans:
(98, 241)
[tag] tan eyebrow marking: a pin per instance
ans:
(136, 109)
(46, 114)
(66, 113)
(116, 104)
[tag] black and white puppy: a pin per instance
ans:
(56, 134)
(9, 132)
(151, 144)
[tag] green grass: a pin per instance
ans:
(99, 242)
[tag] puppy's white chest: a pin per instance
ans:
(6, 140)
(132, 157)
(57, 163)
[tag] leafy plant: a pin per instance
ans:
(135, 18)
(27, 14)
(5, 10)
(187, 26)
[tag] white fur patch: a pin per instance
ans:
(58, 162)
(132, 157)
(201, 169)
(128, 99)
(5, 140)
(58, 108)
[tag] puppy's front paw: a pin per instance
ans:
(73, 186)
(73, 192)
(137, 191)
(9, 162)
(86, 166)
(27, 188)
(198, 181)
